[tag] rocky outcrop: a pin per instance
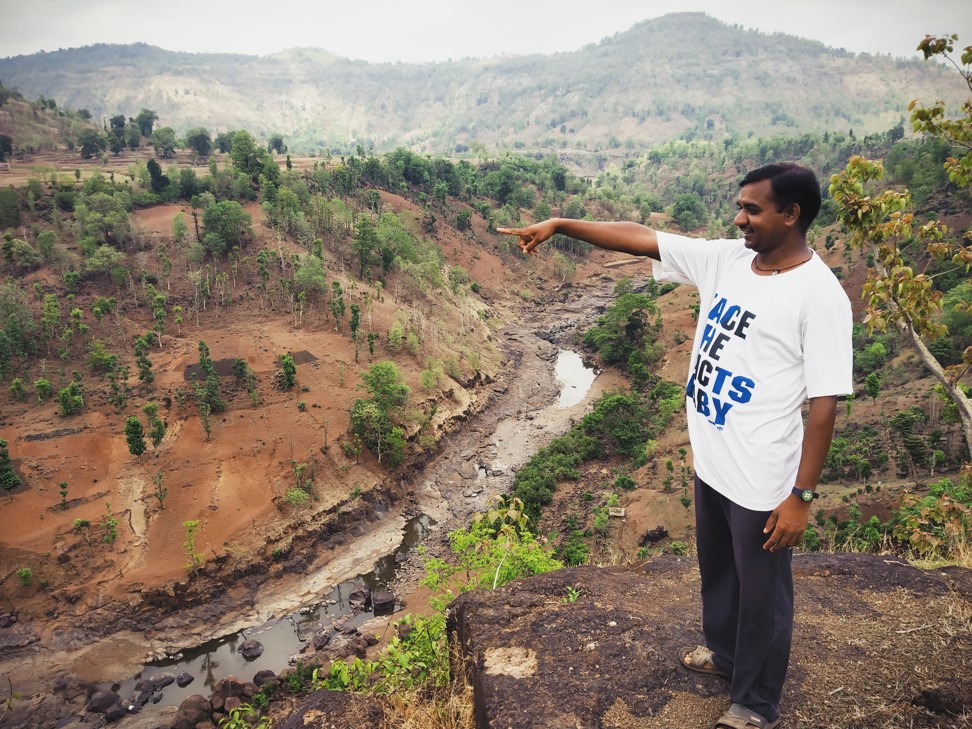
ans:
(877, 643)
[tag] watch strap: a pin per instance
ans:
(802, 494)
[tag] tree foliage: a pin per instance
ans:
(881, 222)
(134, 436)
(199, 141)
(9, 480)
(145, 120)
(91, 143)
(372, 419)
(164, 142)
(226, 224)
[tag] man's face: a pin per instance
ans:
(762, 226)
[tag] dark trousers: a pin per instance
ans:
(747, 600)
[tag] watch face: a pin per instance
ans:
(807, 495)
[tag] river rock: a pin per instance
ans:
(184, 679)
(233, 702)
(161, 680)
(143, 692)
(360, 598)
(226, 688)
(355, 645)
(323, 638)
(384, 602)
(101, 701)
(157, 718)
(192, 711)
(115, 712)
(251, 649)
(7, 619)
(71, 688)
(262, 677)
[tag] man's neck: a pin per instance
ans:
(785, 255)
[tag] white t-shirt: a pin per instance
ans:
(763, 345)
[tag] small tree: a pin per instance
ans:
(25, 576)
(158, 490)
(337, 303)
(134, 436)
(156, 426)
(872, 383)
(194, 559)
(142, 361)
(355, 324)
(145, 120)
(17, 388)
(9, 480)
(289, 369)
(199, 141)
(109, 526)
(71, 398)
(882, 223)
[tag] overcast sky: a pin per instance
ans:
(437, 30)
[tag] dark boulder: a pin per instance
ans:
(384, 602)
(296, 566)
(320, 640)
(192, 711)
(360, 598)
(262, 677)
(115, 712)
(251, 649)
(101, 701)
(184, 679)
(161, 680)
(653, 535)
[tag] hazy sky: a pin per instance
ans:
(436, 30)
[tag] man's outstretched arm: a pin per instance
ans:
(624, 237)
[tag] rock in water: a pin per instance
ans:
(251, 649)
(384, 602)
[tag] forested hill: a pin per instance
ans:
(682, 74)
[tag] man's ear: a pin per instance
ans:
(791, 214)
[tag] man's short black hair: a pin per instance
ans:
(790, 183)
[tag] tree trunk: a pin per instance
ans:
(962, 403)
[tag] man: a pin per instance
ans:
(774, 330)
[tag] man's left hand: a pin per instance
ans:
(786, 524)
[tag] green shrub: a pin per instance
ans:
(938, 524)
(574, 551)
(678, 548)
(296, 497)
(625, 482)
(25, 576)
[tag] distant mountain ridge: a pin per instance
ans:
(681, 74)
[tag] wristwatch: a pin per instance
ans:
(805, 495)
